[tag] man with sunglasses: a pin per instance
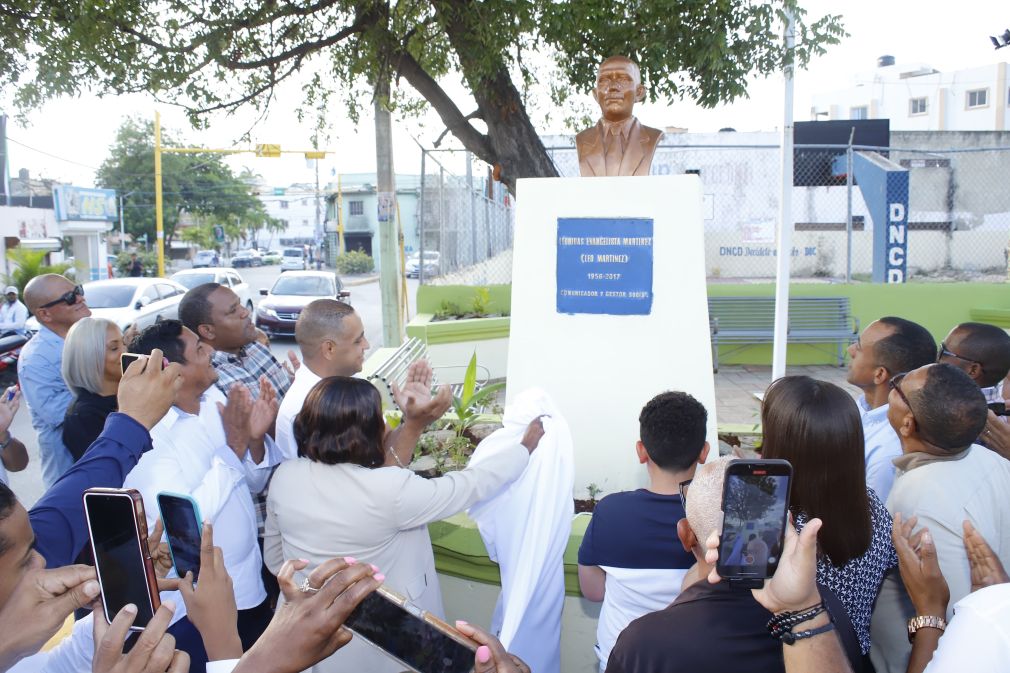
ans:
(886, 347)
(944, 478)
(57, 304)
(982, 352)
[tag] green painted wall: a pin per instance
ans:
(937, 306)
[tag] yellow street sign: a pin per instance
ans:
(268, 150)
(315, 155)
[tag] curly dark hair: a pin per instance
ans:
(949, 408)
(164, 334)
(672, 426)
(341, 422)
(7, 502)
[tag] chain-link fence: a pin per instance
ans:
(465, 225)
(956, 225)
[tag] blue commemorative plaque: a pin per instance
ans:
(604, 265)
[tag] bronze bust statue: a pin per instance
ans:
(619, 144)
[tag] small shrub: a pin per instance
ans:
(481, 301)
(355, 261)
(448, 309)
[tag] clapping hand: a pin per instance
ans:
(292, 364)
(996, 435)
(264, 410)
(235, 416)
(415, 399)
(919, 567)
(986, 568)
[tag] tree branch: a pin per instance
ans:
(454, 120)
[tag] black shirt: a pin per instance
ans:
(85, 420)
(712, 627)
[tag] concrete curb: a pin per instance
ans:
(355, 281)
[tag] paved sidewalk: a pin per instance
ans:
(735, 386)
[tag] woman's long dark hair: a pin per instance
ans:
(815, 425)
(341, 422)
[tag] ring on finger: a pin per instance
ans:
(307, 588)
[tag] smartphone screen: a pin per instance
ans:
(119, 544)
(407, 636)
(181, 518)
(127, 359)
(755, 504)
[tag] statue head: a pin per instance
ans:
(618, 88)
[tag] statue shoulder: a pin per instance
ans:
(652, 134)
(589, 135)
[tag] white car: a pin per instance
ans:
(293, 259)
(130, 301)
(190, 278)
(431, 266)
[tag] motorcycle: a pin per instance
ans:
(11, 344)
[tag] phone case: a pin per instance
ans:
(140, 523)
(196, 511)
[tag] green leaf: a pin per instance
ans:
(469, 380)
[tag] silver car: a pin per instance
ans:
(190, 278)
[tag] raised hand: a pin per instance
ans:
(292, 364)
(39, 605)
(986, 568)
(264, 410)
(418, 405)
(210, 604)
(9, 407)
(147, 389)
(309, 626)
(919, 567)
(154, 651)
(996, 435)
(534, 433)
(235, 416)
(161, 556)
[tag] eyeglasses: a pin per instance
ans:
(682, 487)
(945, 351)
(895, 384)
(68, 298)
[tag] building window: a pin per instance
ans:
(861, 112)
(977, 98)
(917, 106)
(284, 205)
(356, 207)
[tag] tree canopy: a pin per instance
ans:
(199, 184)
(220, 54)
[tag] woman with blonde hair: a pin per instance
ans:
(92, 369)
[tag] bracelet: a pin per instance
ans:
(790, 638)
(397, 458)
(10, 438)
(783, 622)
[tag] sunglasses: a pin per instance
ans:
(68, 298)
(949, 353)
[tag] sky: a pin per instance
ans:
(68, 138)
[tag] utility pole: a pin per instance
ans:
(158, 212)
(389, 274)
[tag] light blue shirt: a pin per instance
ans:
(882, 447)
(47, 396)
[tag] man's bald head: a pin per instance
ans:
(43, 289)
(623, 62)
(704, 498)
(320, 320)
(332, 338)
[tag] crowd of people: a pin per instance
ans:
(897, 528)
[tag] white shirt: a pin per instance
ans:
(882, 447)
(13, 316)
(978, 637)
(191, 456)
(292, 403)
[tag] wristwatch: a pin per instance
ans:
(3, 444)
(927, 621)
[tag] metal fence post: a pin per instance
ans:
(441, 220)
(420, 224)
(848, 212)
(473, 209)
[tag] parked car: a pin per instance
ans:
(272, 257)
(246, 258)
(280, 307)
(130, 301)
(190, 278)
(204, 258)
(294, 260)
(431, 265)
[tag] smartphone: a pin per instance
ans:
(755, 504)
(414, 637)
(181, 517)
(998, 408)
(127, 359)
(117, 526)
